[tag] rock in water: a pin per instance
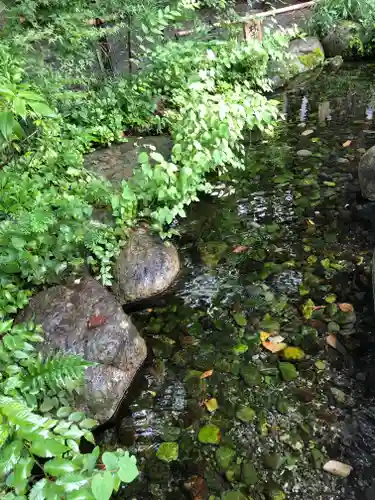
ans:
(366, 174)
(145, 267)
(86, 320)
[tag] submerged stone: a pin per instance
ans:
(167, 452)
(209, 434)
(246, 414)
(288, 371)
(224, 457)
(251, 375)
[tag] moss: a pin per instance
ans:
(313, 59)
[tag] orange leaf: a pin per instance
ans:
(240, 249)
(95, 321)
(346, 308)
(318, 308)
(346, 144)
(331, 340)
(273, 347)
(149, 310)
(207, 374)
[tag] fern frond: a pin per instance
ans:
(57, 373)
(18, 413)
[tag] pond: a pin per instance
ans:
(280, 253)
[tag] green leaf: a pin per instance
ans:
(10, 456)
(59, 467)
(240, 319)
(48, 448)
(128, 468)
(102, 486)
(64, 412)
(6, 124)
(83, 494)
(38, 490)
(19, 106)
(88, 423)
(30, 96)
(41, 108)
(72, 482)
(110, 460)
(143, 157)
(21, 476)
(77, 416)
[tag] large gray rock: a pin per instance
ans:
(305, 54)
(118, 162)
(344, 40)
(65, 313)
(366, 174)
(146, 266)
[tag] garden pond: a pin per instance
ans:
(280, 253)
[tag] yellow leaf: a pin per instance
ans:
(310, 222)
(264, 336)
(346, 144)
(211, 404)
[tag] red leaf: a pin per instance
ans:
(95, 321)
(240, 249)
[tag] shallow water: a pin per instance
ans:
(291, 227)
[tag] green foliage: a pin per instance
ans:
(40, 432)
(327, 13)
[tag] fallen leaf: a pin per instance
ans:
(273, 347)
(240, 249)
(346, 308)
(337, 468)
(277, 339)
(307, 132)
(331, 340)
(96, 320)
(211, 404)
(207, 374)
(346, 144)
(310, 222)
(264, 336)
(149, 310)
(318, 308)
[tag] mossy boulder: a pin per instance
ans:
(306, 54)
(346, 39)
(145, 267)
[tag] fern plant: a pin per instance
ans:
(40, 432)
